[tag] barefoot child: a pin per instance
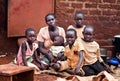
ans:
(78, 26)
(27, 54)
(74, 57)
(93, 63)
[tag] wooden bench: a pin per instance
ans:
(11, 72)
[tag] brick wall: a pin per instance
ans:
(104, 15)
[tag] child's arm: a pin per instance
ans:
(51, 57)
(61, 56)
(43, 50)
(103, 63)
(77, 69)
(36, 56)
(23, 49)
(99, 56)
(107, 67)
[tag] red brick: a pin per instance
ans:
(66, 11)
(63, 4)
(77, 5)
(118, 1)
(104, 18)
(118, 13)
(87, 5)
(82, 0)
(72, 0)
(109, 6)
(95, 1)
(104, 6)
(109, 1)
(70, 10)
(115, 7)
(61, 0)
(109, 12)
(95, 12)
(90, 18)
(84, 11)
(115, 19)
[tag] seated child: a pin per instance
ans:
(93, 63)
(28, 52)
(57, 50)
(79, 25)
(74, 57)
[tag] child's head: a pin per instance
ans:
(88, 33)
(30, 35)
(50, 19)
(58, 41)
(71, 36)
(79, 17)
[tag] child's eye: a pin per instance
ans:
(78, 19)
(50, 19)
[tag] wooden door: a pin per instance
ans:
(23, 14)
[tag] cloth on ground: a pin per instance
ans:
(102, 76)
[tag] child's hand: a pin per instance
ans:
(43, 66)
(50, 57)
(59, 56)
(107, 68)
(77, 71)
(56, 66)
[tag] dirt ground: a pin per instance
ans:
(8, 51)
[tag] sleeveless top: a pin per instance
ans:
(28, 53)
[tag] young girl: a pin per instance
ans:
(27, 54)
(74, 57)
(78, 26)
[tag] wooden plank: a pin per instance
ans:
(11, 69)
(5, 78)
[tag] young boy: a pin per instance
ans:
(78, 26)
(28, 54)
(74, 57)
(93, 63)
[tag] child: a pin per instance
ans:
(78, 26)
(28, 54)
(74, 57)
(57, 49)
(93, 63)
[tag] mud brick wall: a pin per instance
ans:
(104, 15)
